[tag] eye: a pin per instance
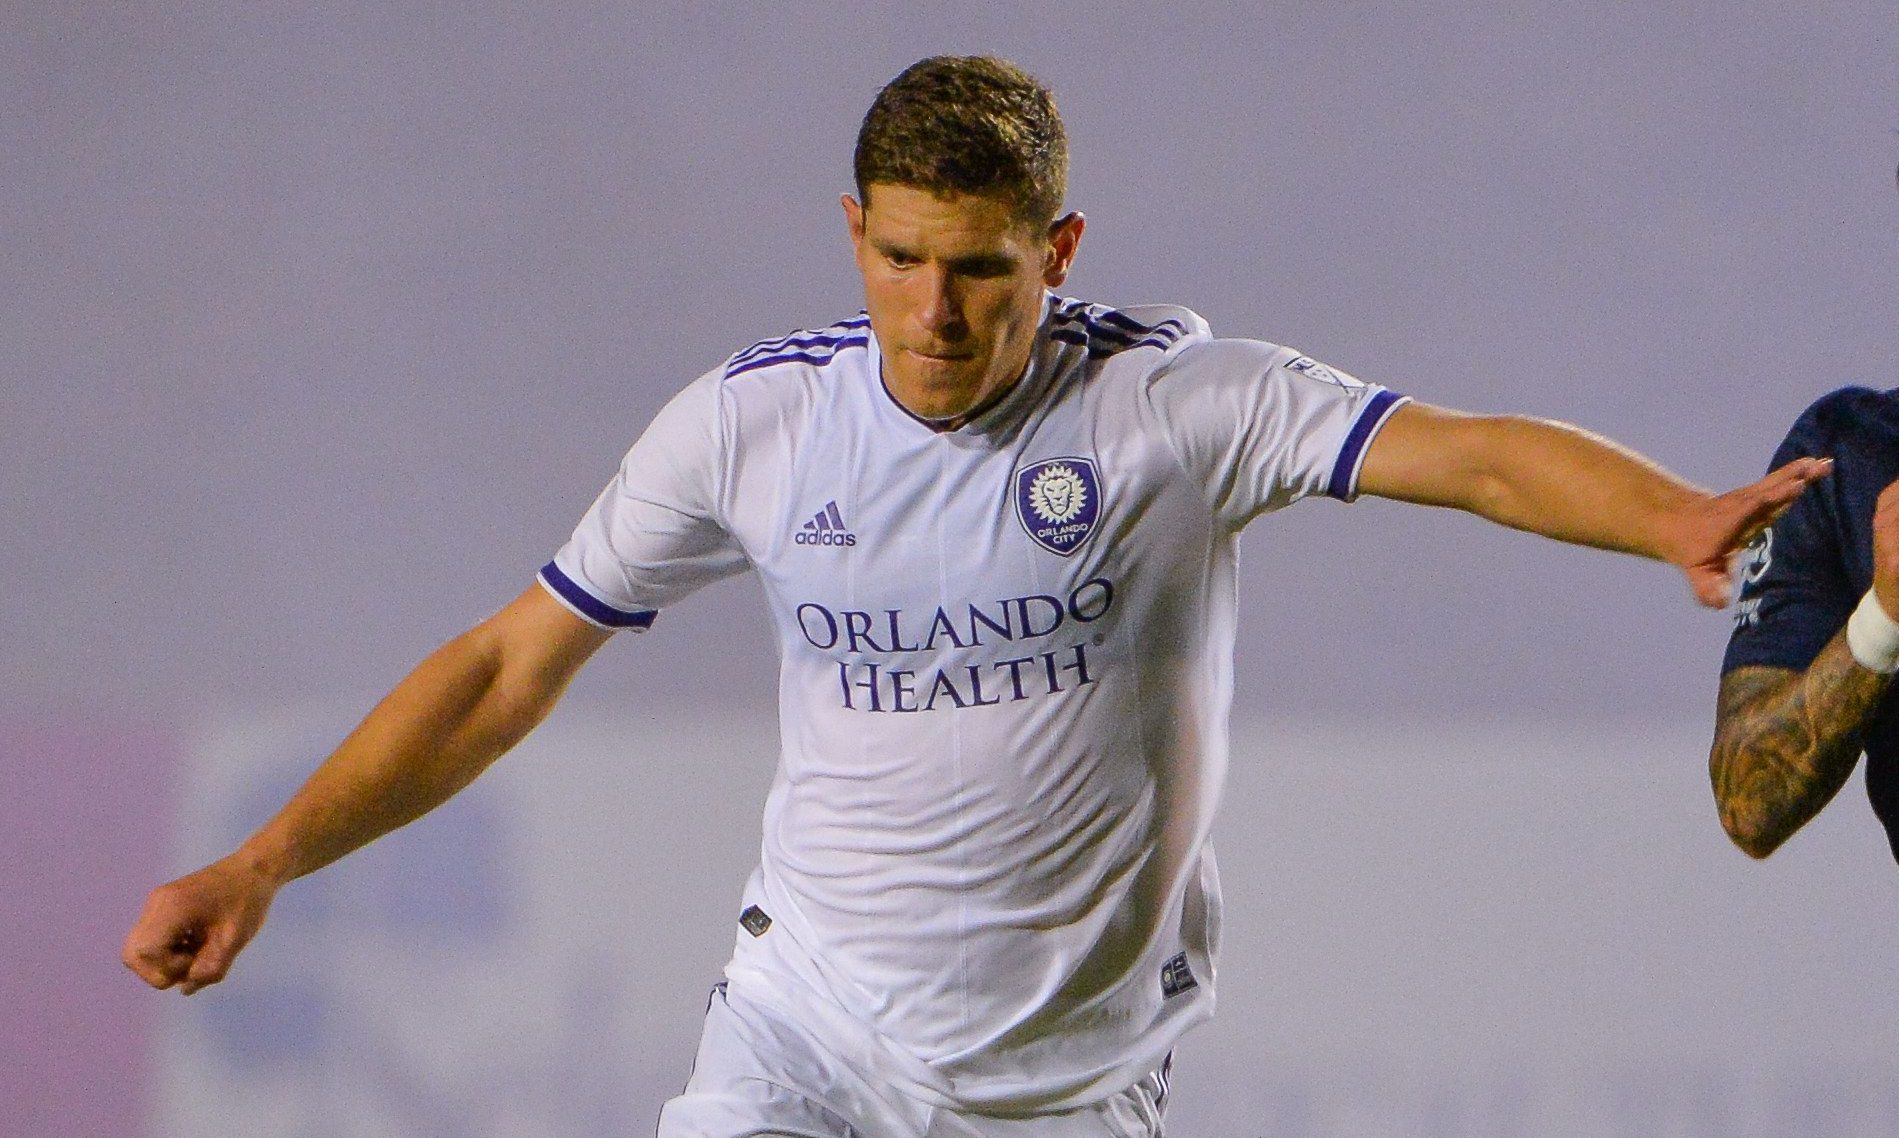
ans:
(900, 260)
(985, 266)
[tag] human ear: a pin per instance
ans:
(853, 219)
(1064, 237)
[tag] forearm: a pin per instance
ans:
(451, 717)
(1537, 475)
(1786, 741)
(1566, 483)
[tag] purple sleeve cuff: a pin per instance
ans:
(590, 607)
(1344, 481)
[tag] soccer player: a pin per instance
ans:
(1804, 684)
(996, 529)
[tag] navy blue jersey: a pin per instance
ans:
(1804, 576)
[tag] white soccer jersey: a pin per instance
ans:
(1006, 670)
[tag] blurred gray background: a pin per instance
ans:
(322, 325)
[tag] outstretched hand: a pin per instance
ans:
(1720, 526)
(192, 928)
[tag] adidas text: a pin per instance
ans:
(824, 537)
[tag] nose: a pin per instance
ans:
(941, 312)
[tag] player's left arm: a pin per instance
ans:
(1563, 482)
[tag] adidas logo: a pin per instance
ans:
(827, 528)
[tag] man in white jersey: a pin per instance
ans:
(996, 530)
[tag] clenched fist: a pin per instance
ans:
(192, 928)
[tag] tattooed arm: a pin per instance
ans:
(1785, 741)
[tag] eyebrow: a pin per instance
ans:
(969, 263)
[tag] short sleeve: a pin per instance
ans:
(654, 535)
(1795, 592)
(1262, 426)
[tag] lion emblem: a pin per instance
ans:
(1057, 494)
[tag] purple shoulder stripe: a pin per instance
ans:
(1122, 321)
(811, 354)
(1103, 340)
(802, 339)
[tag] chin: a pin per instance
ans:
(946, 375)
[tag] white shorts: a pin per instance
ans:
(757, 1075)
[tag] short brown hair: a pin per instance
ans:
(968, 125)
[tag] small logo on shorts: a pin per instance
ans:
(1176, 977)
(1058, 502)
(753, 920)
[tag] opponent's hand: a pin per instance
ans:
(1721, 526)
(192, 928)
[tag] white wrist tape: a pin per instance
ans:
(1873, 636)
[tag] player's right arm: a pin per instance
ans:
(1787, 739)
(457, 712)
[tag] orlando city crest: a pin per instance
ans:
(1058, 501)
